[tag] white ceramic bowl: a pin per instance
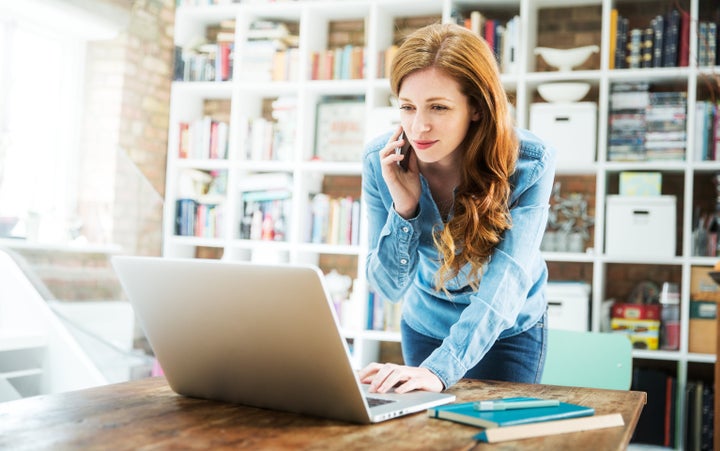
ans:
(563, 92)
(566, 59)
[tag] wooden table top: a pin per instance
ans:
(147, 415)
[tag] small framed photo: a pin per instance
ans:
(340, 130)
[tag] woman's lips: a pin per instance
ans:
(423, 144)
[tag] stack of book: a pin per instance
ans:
(665, 119)
(646, 125)
(519, 418)
(270, 52)
(628, 102)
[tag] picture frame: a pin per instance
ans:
(340, 130)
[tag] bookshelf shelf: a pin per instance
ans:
(373, 26)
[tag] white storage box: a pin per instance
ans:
(640, 226)
(568, 305)
(570, 128)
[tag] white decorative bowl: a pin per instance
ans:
(563, 92)
(566, 59)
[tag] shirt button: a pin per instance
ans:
(406, 229)
(403, 261)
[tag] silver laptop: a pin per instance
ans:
(259, 335)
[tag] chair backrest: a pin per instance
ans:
(588, 359)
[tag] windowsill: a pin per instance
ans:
(90, 248)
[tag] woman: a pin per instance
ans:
(457, 234)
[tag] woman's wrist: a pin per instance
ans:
(408, 213)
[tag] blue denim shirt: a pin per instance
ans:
(402, 263)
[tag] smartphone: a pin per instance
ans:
(404, 150)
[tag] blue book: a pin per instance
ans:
(465, 413)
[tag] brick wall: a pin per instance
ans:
(567, 28)
(125, 131)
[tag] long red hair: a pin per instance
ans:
(481, 213)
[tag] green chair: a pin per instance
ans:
(588, 359)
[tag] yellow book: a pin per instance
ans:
(613, 37)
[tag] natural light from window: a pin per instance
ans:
(40, 86)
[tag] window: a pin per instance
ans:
(42, 66)
(41, 95)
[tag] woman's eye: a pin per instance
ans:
(405, 107)
(439, 107)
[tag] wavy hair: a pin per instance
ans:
(490, 148)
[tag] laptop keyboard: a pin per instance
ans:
(372, 402)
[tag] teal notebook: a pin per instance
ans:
(466, 414)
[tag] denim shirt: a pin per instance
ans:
(402, 263)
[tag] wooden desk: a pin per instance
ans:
(147, 414)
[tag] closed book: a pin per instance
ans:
(465, 413)
(554, 427)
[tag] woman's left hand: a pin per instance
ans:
(383, 377)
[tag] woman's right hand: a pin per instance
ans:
(404, 185)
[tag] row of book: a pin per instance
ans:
(381, 314)
(705, 235)
(707, 131)
(270, 52)
(664, 42)
(334, 220)
(503, 37)
(267, 205)
(200, 203)
(707, 44)
(646, 125)
(198, 219)
(265, 215)
(656, 425)
(342, 63)
(699, 416)
(210, 58)
(205, 138)
(208, 62)
(270, 138)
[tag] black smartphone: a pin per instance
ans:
(404, 150)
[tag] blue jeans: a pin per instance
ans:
(520, 358)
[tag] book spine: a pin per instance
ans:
(646, 48)
(658, 25)
(633, 58)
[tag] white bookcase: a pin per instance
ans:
(379, 18)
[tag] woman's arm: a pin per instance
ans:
(392, 239)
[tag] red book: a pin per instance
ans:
(490, 33)
(224, 51)
(184, 139)
(214, 139)
(684, 40)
